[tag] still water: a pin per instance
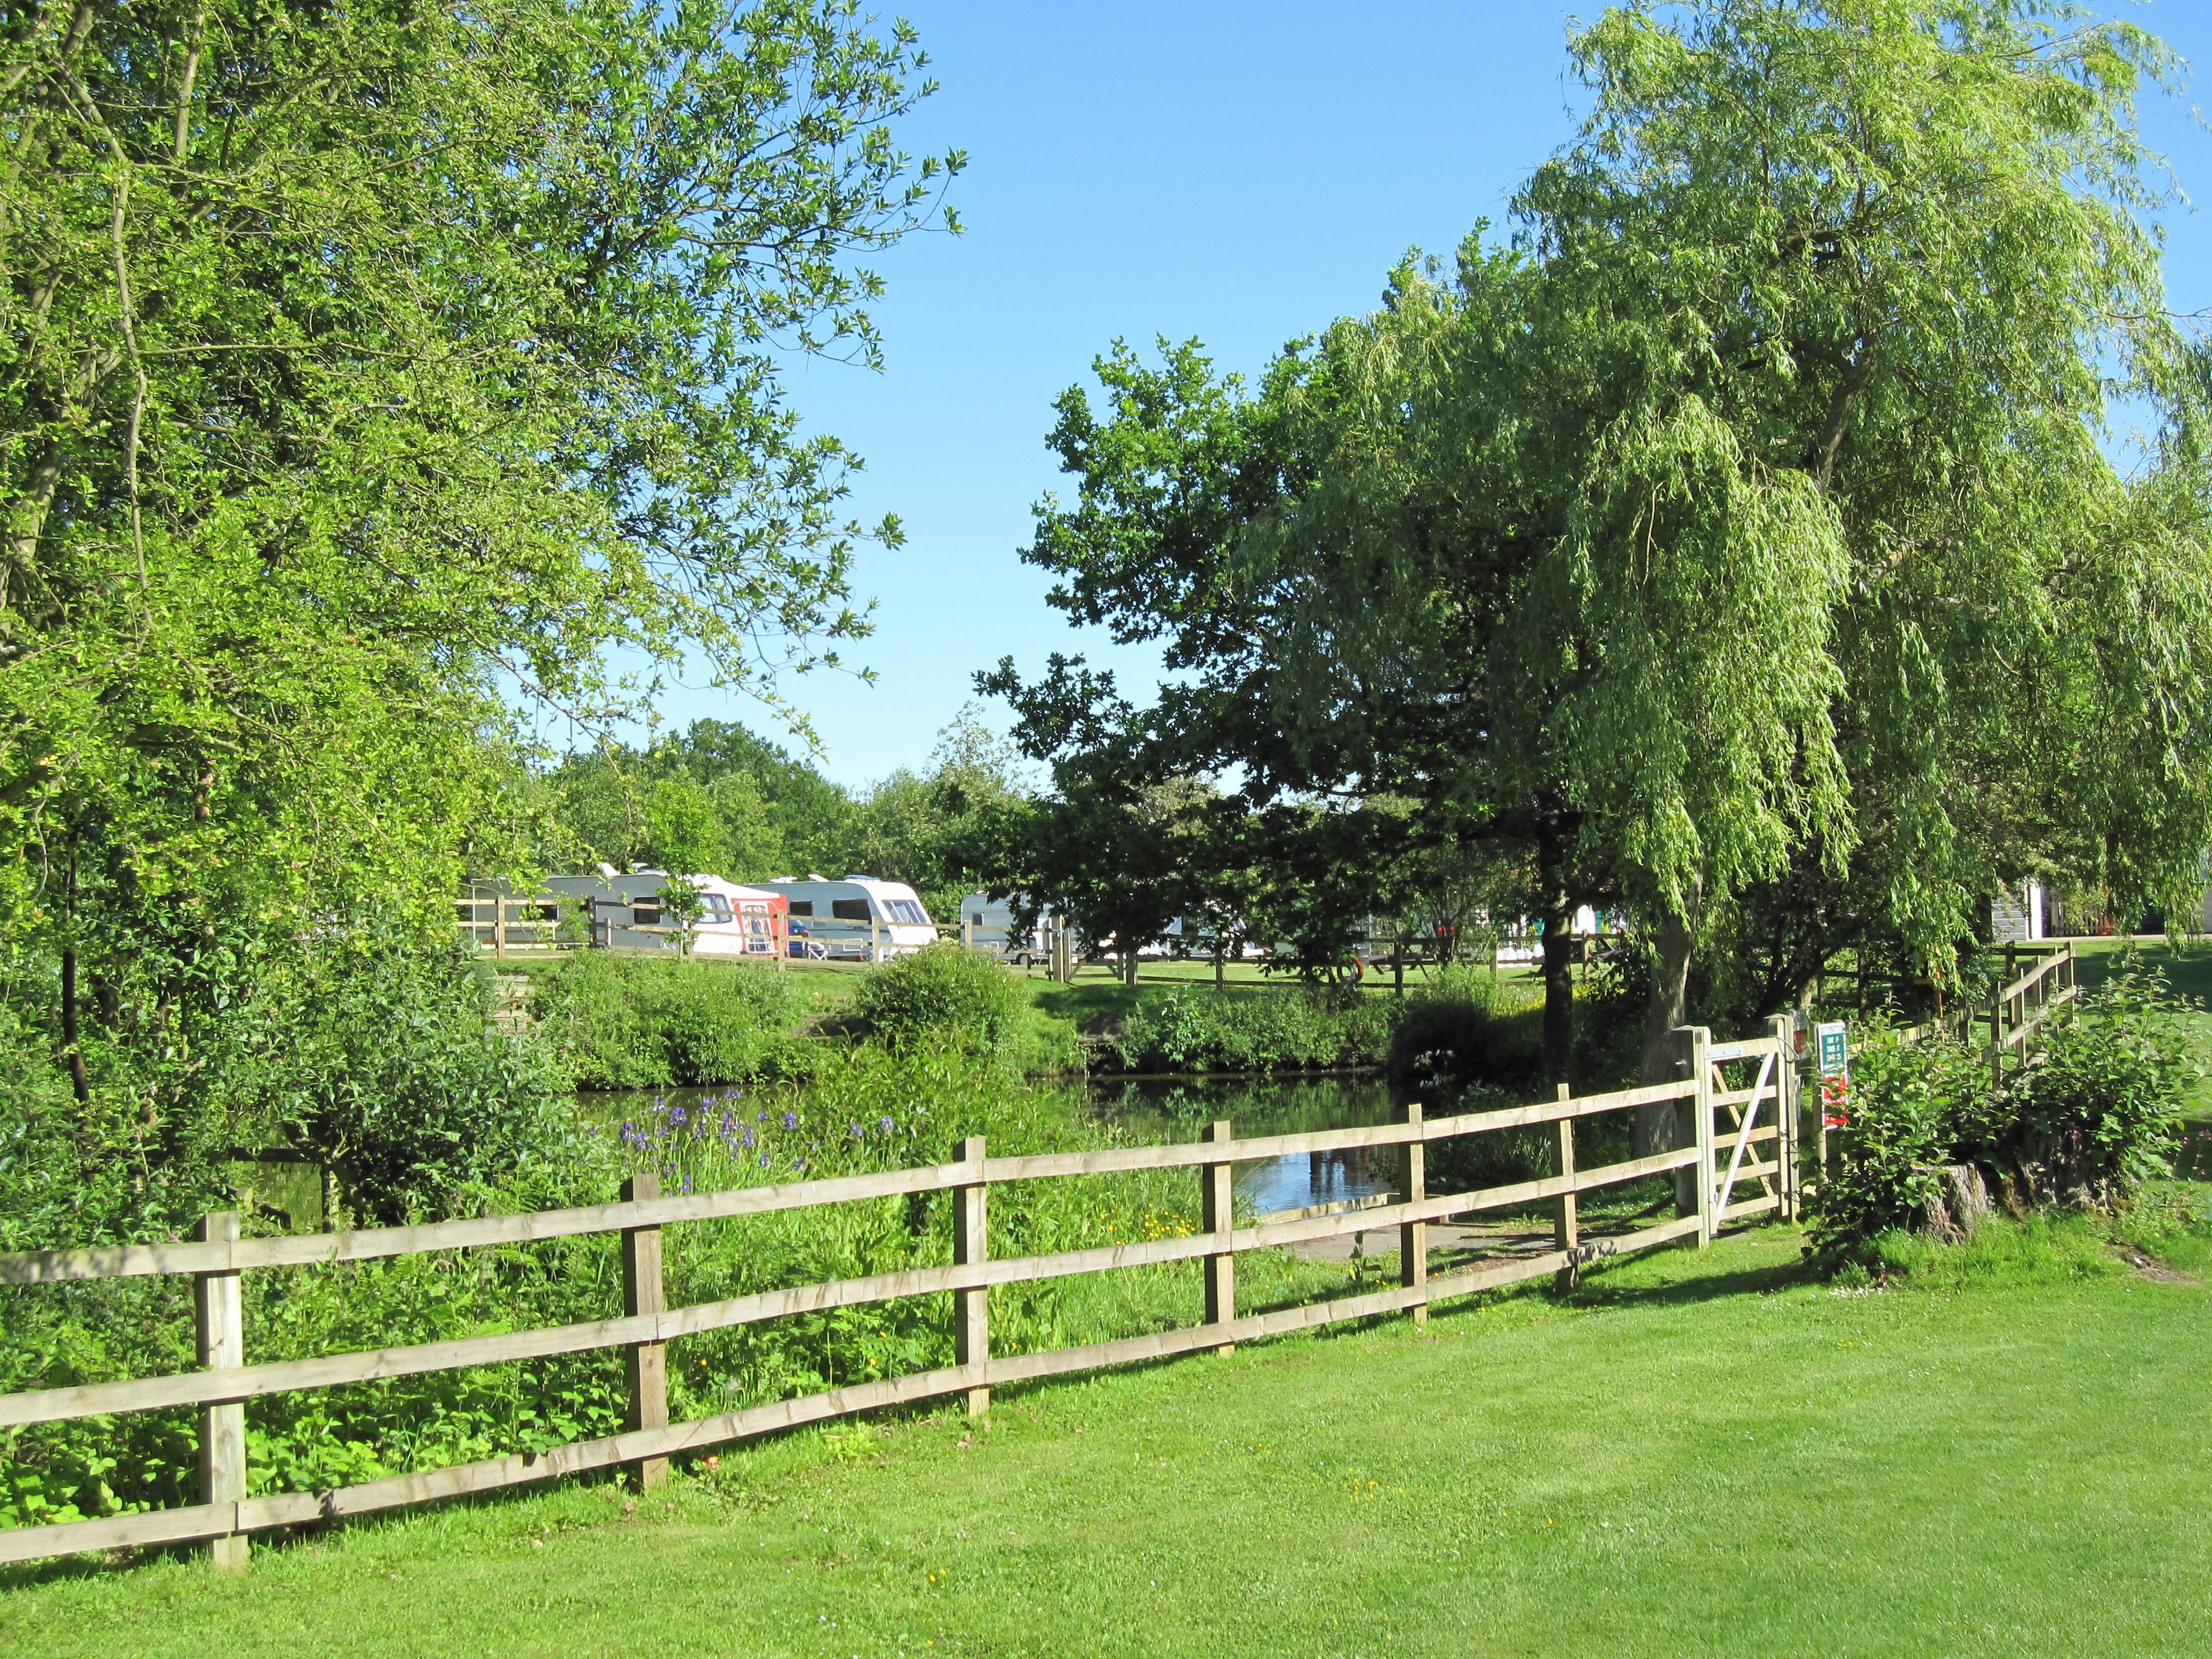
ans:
(1157, 1111)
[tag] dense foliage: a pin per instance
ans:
(365, 366)
(364, 1051)
(1191, 1030)
(1805, 355)
(869, 1109)
(943, 991)
(2094, 1114)
(621, 1022)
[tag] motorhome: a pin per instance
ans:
(858, 918)
(623, 910)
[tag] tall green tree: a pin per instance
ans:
(1754, 495)
(365, 363)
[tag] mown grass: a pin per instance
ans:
(1700, 1454)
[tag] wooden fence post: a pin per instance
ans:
(219, 1319)
(645, 1365)
(1997, 1038)
(1216, 1199)
(1786, 1127)
(1694, 1041)
(971, 1245)
(1414, 1235)
(1566, 1231)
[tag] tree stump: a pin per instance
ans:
(1955, 1209)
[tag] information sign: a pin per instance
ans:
(1835, 1052)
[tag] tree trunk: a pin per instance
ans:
(1558, 987)
(1655, 1125)
(77, 1081)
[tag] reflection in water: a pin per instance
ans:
(1159, 1111)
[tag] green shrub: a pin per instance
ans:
(2093, 1115)
(1193, 1029)
(1470, 1028)
(943, 989)
(2097, 1112)
(1907, 1100)
(650, 1022)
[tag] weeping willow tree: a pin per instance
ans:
(1760, 496)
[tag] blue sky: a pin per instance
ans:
(1233, 172)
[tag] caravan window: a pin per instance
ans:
(645, 913)
(908, 911)
(849, 909)
(714, 907)
(802, 907)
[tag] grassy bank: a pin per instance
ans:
(644, 1021)
(1702, 1454)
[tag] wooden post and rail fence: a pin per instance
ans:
(1734, 1140)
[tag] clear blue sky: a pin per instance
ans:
(1235, 172)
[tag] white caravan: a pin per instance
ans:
(624, 910)
(858, 918)
(989, 926)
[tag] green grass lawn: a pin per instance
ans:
(1702, 1454)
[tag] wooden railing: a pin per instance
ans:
(2016, 1009)
(219, 1255)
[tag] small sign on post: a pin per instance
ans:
(1835, 1055)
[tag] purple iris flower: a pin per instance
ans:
(791, 1120)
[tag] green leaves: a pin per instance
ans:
(1745, 512)
(365, 367)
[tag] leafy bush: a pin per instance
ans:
(369, 1049)
(379, 1061)
(2094, 1114)
(1468, 1029)
(945, 990)
(1191, 1030)
(1907, 1101)
(650, 1022)
(2097, 1112)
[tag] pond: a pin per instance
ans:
(1158, 1112)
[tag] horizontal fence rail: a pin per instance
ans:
(1705, 1186)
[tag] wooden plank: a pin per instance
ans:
(1564, 1230)
(46, 1267)
(1750, 1206)
(1414, 1235)
(1694, 1041)
(1217, 1214)
(1749, 1048)
(119, 1532)
(252, 1382)
(1339, 1207)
